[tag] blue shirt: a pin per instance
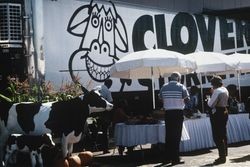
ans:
(105, 92)
(173, 95)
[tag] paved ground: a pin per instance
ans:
(239, 156)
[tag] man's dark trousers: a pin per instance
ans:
(218, 123)
(173, 125)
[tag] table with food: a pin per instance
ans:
(196, 132)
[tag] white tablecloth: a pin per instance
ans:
(196, 133)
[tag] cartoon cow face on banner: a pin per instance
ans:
(103, 33)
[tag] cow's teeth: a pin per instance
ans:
(96, 71)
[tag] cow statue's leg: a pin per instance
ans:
(10, 155)
(70, 148)
(2, 163)
(33, 155)
(40, 159)
(4, 134)
(64, 146)
(68, 141)
(7, 157)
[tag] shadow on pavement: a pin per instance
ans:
(139, 158)
(154, 157)
(136, 158)
(241, 159)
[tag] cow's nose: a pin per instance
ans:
(100, 49)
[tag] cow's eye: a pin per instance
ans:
(108, 25)
(95, 21)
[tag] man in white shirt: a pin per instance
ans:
(219, 117)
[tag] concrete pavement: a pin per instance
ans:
(238, 156)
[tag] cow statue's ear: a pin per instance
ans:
(85, 91)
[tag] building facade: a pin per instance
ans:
(59, 40)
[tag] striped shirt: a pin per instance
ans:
(173, 95)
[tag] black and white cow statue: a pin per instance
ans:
(62, 119)
(31, 144)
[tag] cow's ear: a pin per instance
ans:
(79, 20)
(121, 35)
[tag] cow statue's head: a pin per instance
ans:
(96, 102)
(103, 33)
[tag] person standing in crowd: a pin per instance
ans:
(120, 112)
(120, 116)
(104, 90)
(174, 95)
(232, 99)
(218, 117)
(104, 118)
(194, 99)
(192, 106)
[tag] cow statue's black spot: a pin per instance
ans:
(25, 115)
(65, 117)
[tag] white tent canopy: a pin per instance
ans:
(152, 64)
(244, 61)
(243, 66)
(212, 62)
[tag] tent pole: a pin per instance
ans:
(238, 80)
(202, 103)
(153, 89)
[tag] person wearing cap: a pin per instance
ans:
(174, 95)
(218, 117)
(104, 90)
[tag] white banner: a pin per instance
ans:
(84, 39)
